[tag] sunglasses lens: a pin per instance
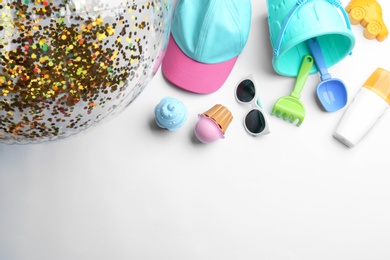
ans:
(255, 121)
(246, 91)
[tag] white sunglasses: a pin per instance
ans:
(256, 121)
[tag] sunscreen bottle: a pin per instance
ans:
(368, 105)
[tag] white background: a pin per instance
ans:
(128, 189)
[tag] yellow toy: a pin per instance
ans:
(369, 14)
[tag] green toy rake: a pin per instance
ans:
(290, 108)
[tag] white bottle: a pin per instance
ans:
(365, 109)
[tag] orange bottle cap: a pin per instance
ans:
(379, 82)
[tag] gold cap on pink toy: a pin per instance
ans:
(213, 123)
(221, 115)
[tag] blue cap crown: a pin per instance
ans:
(211, 31)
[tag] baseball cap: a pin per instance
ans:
(207, 36)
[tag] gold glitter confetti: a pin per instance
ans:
(61, 74)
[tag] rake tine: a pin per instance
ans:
(300, 120)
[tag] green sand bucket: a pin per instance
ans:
(291, 23)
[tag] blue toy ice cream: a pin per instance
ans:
(171, 113)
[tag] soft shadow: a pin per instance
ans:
(155, 127)
(195, 140)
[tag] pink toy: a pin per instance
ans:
(213, 123)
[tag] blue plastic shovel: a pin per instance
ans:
(331, 92)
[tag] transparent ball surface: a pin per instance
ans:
(67, 65)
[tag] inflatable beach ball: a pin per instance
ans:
(68, 65)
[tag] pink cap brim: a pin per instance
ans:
(191, 75)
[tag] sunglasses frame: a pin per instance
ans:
(255, 104)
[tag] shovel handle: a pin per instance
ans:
(319, 60)
(303, 74)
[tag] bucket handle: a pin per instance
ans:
(299, 3)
